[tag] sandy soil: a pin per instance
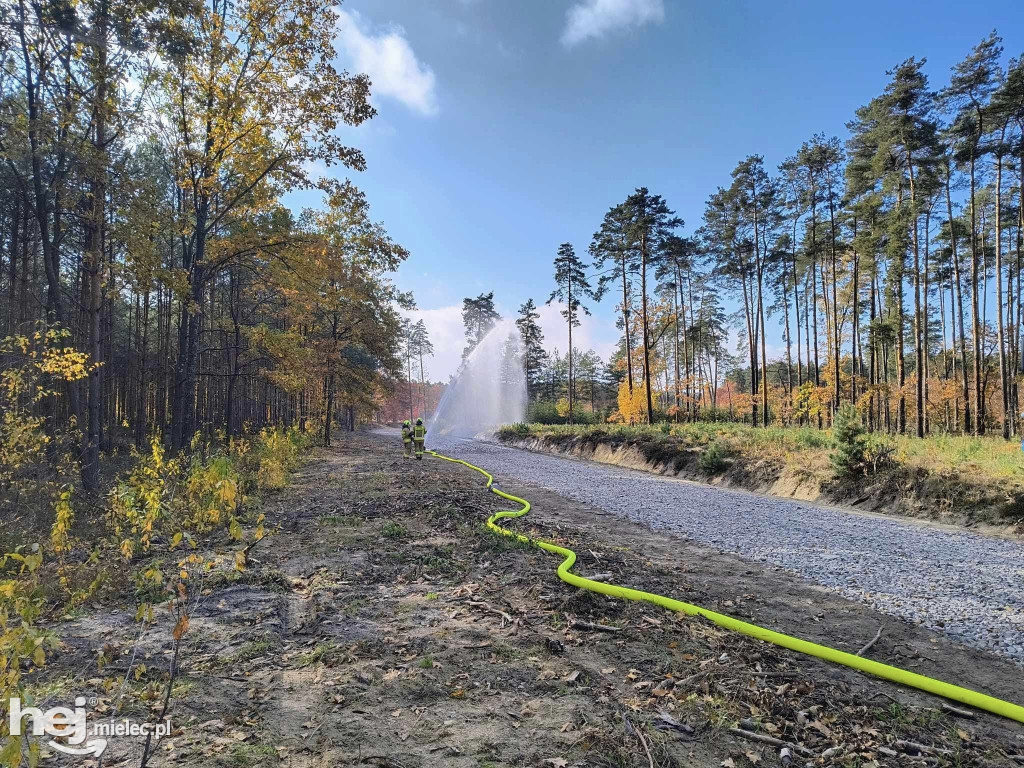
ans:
(382, 625)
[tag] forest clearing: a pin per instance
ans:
(381, 625)
(213, 550)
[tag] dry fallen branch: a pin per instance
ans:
(589, 625)
(873, 640)
(487, 607)
(647, 749)
(666, 722)
(770, 740)
(913, 746)
(950, 709)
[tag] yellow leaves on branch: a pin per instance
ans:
(21, 603)
(181, 627)
(632, 405)
(63, 518)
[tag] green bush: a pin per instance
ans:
(848, 433)
(518, 429)
(714, 459)
(546, 412)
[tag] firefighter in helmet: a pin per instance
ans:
(419, 434)
(407, 439)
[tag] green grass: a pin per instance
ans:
(323, 652)
(252, 754)
(985, 458)
(253, 649)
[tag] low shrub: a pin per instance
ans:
(512, 431)
(848, 433)
(715, 458)
(547, 412)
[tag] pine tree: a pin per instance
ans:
(534, 355)
(616, 261)
(648, 223)
(571, 288)
(1007, 116)
(675, 271)
(967, 98)
(478, 317)
(422, 347)
(848, 433)
(910, 134)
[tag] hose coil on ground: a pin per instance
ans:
(885, 671)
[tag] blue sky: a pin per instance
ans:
(507, 127)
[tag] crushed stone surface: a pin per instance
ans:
(965, 584)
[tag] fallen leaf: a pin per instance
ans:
(821, 728)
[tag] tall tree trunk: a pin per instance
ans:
(1004, 391)
(94, 261)
(675, 355)
(423, 388)
(625, 324)
(979, 423)
(789, 329)
(873, 346)
(855, 342)
(958, 285)
(759, 265)
(750, 314)
(570, 315)
(12, 269)
(918, 348)
(329, 404)
(646, 334)
(836, 341)
(924, 311)
(142, 395)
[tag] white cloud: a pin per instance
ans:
(596, 18)
(390, 62)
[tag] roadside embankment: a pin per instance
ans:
(972, 482)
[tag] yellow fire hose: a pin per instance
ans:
(884, 671)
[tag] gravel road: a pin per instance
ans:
(964, 584)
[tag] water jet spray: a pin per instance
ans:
(488, 390)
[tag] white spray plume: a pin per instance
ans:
(488, 390)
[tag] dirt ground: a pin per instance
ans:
(384, 625)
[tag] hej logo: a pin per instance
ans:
(71, 726)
